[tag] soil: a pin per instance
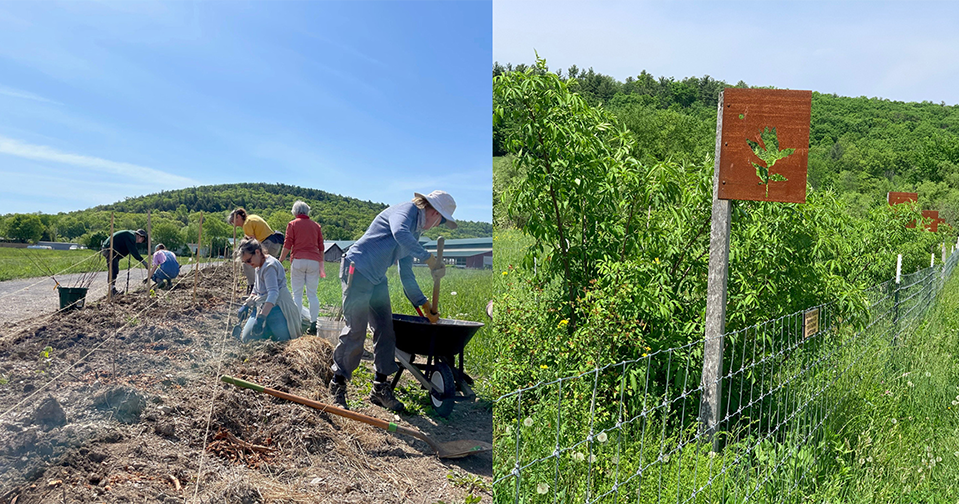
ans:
(121, 402)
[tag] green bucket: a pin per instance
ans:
(72, 297)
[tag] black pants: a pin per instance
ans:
(114, 264)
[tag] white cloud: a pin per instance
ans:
(26, 95)
(129, 171)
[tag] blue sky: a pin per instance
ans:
(904, 51)
(100, 101)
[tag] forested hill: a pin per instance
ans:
(860, 147)
(175, 216)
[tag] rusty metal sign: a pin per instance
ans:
(810, 322)
(935, 220)
(765, 145)
(898, 198)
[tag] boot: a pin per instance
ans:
(338, 391)
(312, 329)
(382, 395)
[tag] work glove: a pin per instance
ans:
(258, 327)
(434, 263)
(428, 312)
(242, 312)
(437, 268)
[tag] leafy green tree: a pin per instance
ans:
(578, 173)
(24, 227)
(169, 234)
(70, 227)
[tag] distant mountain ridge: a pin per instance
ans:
(342, 217)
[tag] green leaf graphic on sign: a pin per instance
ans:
(767, 149)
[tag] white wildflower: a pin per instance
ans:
(542, 488)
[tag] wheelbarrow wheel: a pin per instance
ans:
(443, 379)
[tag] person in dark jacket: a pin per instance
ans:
(124, 244)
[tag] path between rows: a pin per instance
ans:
(28, 298)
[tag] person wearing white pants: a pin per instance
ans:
(304, 244)
(306, 273)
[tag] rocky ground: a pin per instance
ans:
(122, 403)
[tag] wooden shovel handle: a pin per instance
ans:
(436, 282)
(329, 408)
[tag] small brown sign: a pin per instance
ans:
(810, 322)
(765, 145)
(898, 198)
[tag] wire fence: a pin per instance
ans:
(632, 432)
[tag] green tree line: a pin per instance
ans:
(861, 148)
(174, 216)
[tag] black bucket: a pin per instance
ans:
(72, 297)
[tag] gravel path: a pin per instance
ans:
(31, 297)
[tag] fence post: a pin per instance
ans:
(710, 404)
(895, 313)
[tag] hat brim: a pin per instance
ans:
(450, 222)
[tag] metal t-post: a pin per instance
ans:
(709, 409)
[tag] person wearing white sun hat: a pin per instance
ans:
(393, 237)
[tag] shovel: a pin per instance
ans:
(436, 281)
(451, 449)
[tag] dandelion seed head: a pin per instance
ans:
(528, 422)
(578, 456)
(542, 488)
(601, 437)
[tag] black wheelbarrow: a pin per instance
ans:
(439, 343)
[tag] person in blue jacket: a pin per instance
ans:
(392, 238)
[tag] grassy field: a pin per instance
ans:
(16, 263)
(28, 263)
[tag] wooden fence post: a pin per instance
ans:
(110, 278)
(196, 259)
(711, 404)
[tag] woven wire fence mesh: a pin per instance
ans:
(631, 431)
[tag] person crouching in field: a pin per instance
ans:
(304, 244)
(124, 243)
(392, 237)
(255, 227)
(164, 267)
(278, 317)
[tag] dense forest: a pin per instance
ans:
(861, 148)
(175, 216)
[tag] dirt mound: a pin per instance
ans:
(122, 402)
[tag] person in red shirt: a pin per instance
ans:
(304, 244)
